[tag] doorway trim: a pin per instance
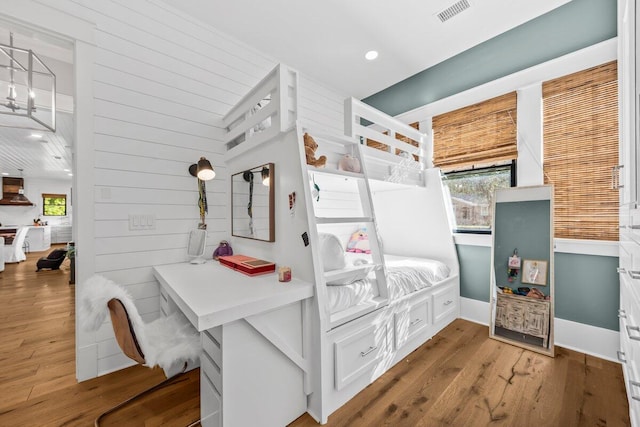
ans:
(46, 19)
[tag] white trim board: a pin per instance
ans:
(569, 246)
(591, 340)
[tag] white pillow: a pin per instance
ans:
(331, 252)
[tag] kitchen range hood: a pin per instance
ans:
(13, 192)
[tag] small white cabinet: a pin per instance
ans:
(38, 238)
(61, 234)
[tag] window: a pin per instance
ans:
(54, 204)
(476, 147)
(471, 194)
(580, 151)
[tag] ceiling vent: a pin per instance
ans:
(453, 10)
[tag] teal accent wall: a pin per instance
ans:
(587, 289)
(573, 26)
(475, 274)
(586, 286)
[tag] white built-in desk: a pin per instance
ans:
(254, 366)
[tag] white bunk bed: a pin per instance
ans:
(375, 309)
(393, 197)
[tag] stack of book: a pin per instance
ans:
(248, 265)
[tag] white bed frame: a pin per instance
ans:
(350, 349)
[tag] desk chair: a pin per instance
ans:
(169, 342)
(14, 252)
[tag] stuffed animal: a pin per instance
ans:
(222, 250)
(349, 163)
(310, 147)
(359, 242)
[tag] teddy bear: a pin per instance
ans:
(310, 147)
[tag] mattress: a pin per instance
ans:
(404, 276)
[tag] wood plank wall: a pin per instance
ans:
(162, 81)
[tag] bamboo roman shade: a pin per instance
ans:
(581, 150)
(480, 134)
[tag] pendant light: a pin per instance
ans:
(27, 74)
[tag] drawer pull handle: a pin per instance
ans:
(448, 302)
(415, 322)
(635, 274)
(633, 328)
(622, 314)
(636, 384)
(621, 358)
(621, 270)
(364, 353)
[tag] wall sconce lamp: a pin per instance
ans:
(202, 170)
(265, 175)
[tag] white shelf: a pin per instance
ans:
(343, 220)
(356, 311)
(334, 275)
(331, 171)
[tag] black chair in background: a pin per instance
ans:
(53, 260)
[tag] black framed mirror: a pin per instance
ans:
(252, 203)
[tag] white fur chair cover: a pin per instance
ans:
(164, 342)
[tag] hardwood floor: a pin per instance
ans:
(459, 378)
(463, 378)
(38, 386)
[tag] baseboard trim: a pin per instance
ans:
(591, 340)
(86, 362)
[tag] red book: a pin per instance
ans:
(248, 265)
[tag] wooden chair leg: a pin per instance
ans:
(143, 393)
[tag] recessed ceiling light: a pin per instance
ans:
(5, 173)
(70, 174)
(67, 170)
(371, 55)
(36, 135)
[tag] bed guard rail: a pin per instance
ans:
(269, 108)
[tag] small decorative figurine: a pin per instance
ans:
(223, 249)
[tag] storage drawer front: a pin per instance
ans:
(210, 403)
(445, 302)
(410, 323)
(212, 370)
(164, 302)
(358, 354)
(212, 348)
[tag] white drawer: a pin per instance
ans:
(212, 371)
(212, 347)
(358, 354)
(164, 302)
(445, 303)
(210, 403)
(411, 321)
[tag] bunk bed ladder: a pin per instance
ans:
(334, 147)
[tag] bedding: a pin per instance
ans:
(354, 293)
(404, 276)
(407, 275)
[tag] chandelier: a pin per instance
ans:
(26, 77)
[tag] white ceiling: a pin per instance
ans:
(328, 39)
